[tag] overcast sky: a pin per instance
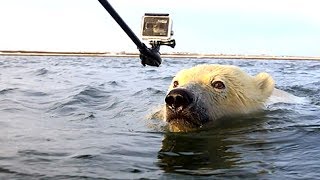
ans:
(273, 27)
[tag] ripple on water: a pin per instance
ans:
(87, 98)
(114, 83)
(7, 91)
(41, 72)
(149, 91)
(15, 107)
(85, 156)
(33, 153)
(34, 93)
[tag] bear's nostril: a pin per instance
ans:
(178, 98)
(170, 100)
(180, 101)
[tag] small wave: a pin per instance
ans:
(112, 104)
(7, 91)
(39, 153)
(149, 90)
(166, 78)
(12, 106)
(14, 173)
(151, 71)
(64, 108)
(89, 95)
(114, 83)
(87, 98)
(91, 116)
(41, 72)
(313, 66)
(34, 93)
(84, 116)
(8, 171)
(84, 156)
(92, 92)
(310, 94)
(300, 90)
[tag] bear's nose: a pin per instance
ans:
(178, 98)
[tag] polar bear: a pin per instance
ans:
(201, 95)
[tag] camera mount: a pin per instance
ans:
(147, 57)
(171, 43)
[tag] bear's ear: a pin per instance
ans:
(265, 83)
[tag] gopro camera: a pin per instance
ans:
(156, 27)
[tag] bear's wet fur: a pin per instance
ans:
(201, 95)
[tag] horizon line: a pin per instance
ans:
(171, 54)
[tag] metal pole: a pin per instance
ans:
(121, 23)
(148, 56)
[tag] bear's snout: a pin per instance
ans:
(178, 99)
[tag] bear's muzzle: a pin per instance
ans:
(179, 99)
(182, 110)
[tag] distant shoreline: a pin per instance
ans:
(164, 55)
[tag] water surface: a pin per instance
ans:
(89, 118)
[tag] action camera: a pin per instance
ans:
(156, 27)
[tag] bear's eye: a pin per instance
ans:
(218, 85)
(175, 84)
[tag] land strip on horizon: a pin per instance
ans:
(164, 55)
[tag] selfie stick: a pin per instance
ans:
(148, 56)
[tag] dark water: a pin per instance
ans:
(87, 118)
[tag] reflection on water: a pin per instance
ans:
(207, 152)
(250, 147)
(196, 153)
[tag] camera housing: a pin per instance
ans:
(156, 27)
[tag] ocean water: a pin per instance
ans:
(90, 118)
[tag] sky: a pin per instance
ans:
(246, 27)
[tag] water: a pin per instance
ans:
(89, 118)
